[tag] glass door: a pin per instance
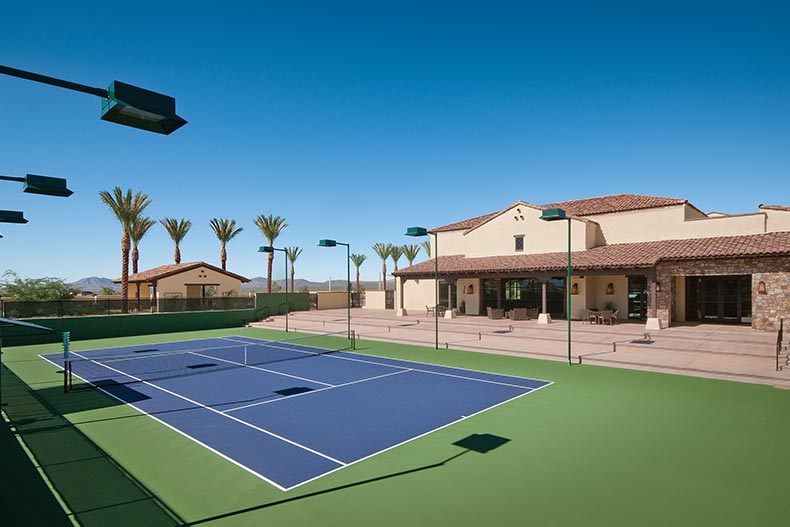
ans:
(637, 297)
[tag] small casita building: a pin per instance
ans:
(651, 258)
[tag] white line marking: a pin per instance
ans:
(212, 449)
(294, 443)
(316, 391)
(259, 368)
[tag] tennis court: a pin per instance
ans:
(289, 411)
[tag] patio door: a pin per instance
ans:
(637, 297)
(719, 299)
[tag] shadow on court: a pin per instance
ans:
(96, 490)
(480, 443)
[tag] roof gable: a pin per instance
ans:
(163, 271)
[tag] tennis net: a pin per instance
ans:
(145, 365)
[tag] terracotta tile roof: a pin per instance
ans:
(615, 256)
(614, 203)
(774, 207)
(152, 275)
(580, 207)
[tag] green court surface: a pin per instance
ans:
(601, 446)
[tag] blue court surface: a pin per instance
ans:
(285, 411)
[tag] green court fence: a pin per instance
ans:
(77, 308)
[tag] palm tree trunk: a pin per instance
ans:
(292, 277)
(223, 256)
(357, 279)
(125, 265)
(135, 258)
(384, 275)
(269, 273)
(177, 255)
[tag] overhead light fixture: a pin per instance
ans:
(140, 108)
(12, 216)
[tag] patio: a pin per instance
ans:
(728, 352)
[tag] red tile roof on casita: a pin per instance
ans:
(615, 256)
(157, 273)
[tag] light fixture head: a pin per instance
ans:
(553, 215)
(47, 186)
(265, 249)
(140, 108)
(327, 243)
(416, 231)
(12, 216)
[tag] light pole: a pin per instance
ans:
(422, 231)
(270, 249)
(44, 185)
(335, 243)
(557, 215)
(123, 103)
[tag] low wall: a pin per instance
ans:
(332, 299)
(375, 300)
(101, 327)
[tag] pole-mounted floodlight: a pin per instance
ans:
(44, 185)
(270, 249)
(557, 215)
(422, 231)
(335, 243)
(12, 216)
(123, 103)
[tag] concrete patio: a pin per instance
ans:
(729, 352)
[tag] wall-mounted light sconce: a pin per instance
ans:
(761, 287)
(610, 289)
(470, 290)
(658, 287)
(575, 289)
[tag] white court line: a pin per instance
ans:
(171, 427)
(316, 391)
(144, 344)
(462, 418)
(271, 345)
(259, 368)
(267, 432)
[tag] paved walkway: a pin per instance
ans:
(705, 350)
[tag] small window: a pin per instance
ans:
(519, 243)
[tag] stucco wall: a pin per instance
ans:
(778, 220)
(418, 294)
(471, 300)
(375, 300)
(175, 284)
(672, 223)
(497, 237)
(333, 299)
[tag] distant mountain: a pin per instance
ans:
(94, 284)
(259, 284)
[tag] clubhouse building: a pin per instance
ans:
(654, 259)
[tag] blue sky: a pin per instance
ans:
(355, 120)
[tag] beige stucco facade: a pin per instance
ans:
(480, 258)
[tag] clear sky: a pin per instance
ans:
(356, 120)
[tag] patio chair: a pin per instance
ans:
(518, 313)
(495, 314)
(606, 317)
(592, 315)
(614, 316)
(428, 310)
(532, 313)
(442, 310)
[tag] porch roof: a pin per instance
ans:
(616, 256)
(152, 275)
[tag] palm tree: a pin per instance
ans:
(395, 253)
(126, 208)
(292, 253)
(225, 231)
(358, 260)
(271, 226)
(138, 228)
(427, 247)
(410, 252)
(382, 250)
(177, 229)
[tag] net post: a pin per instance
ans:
(66, 362)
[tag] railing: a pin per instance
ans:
(76, 308)
(780, 347)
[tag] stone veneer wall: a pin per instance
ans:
(767, 308)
